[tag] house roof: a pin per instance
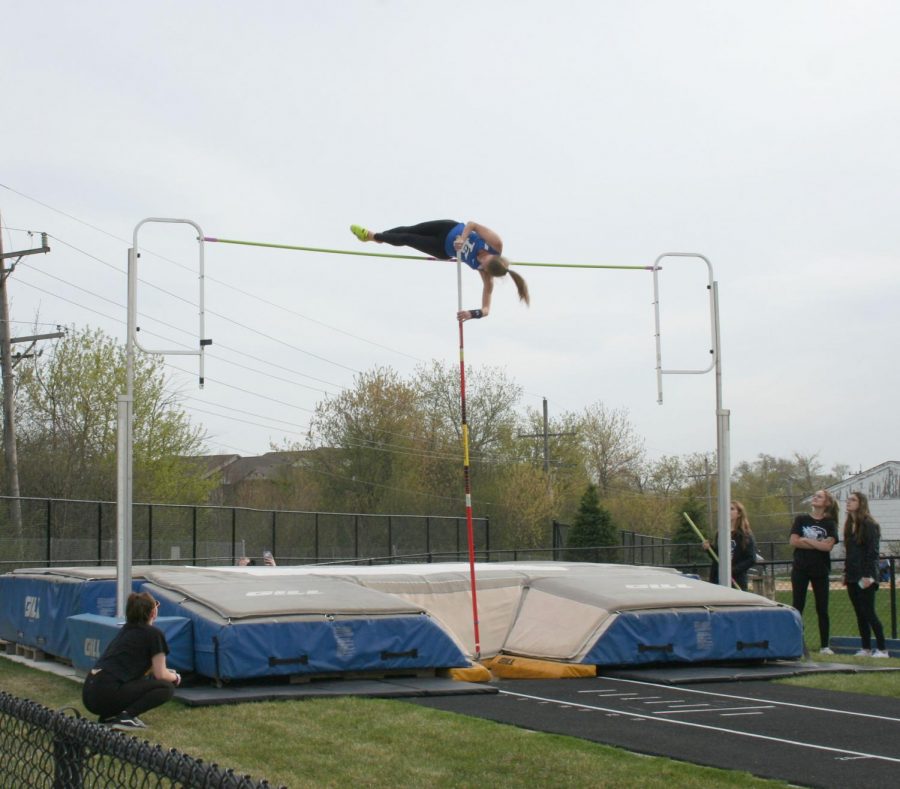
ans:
(234, 468)
(879, 482)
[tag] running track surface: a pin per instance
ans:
(805, 736)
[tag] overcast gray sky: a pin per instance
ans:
(761, 134)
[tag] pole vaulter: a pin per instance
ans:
(481, 249)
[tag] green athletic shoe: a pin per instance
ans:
(360, 232)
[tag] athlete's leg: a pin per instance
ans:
(820, 591)
(867, 609)
(141, 695)
(426, 237)
(799, 583)
(862, 623)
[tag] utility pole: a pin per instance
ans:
(546, 436)
(6, 368)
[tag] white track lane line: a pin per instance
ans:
(707, 727)
(715, 709)
(756, 700)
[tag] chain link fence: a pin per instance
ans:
(40, 747)
(83, 533)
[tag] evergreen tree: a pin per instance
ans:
(592, 529)
(686, 548)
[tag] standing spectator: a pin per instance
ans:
(812, 537)
(743, 548)
(862, 537)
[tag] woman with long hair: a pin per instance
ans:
(862, 540)
(118, 688)
(480, 248)
(743, 548)
(812, 537)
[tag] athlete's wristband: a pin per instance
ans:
(476, 313)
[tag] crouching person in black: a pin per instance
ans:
(118, 688)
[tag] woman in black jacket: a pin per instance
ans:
(862, 538)
(743, 548)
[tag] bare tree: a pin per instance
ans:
(614, 453)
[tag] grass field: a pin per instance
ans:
(382, 743)
(379, 743)
(840, 612)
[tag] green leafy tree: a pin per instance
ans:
(592, 529)
(384, 452)
(67, 425)
(773, 490)
(491, 400)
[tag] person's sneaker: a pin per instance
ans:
(826, 651)
(360, 232)
(863, 653)
(881, 653)
(124, 722)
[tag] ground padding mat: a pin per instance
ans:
(401, 687)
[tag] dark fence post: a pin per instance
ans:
(316, 537)
(356, 536)
(233, 534)
(390, 536)
(99, 533)
(428, 537)
(893, 588)
(49, 522)
(149, 534)
(68, 761)
(194, 536)
(274, 518)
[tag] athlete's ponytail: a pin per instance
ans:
(498, 266)
(521, 286)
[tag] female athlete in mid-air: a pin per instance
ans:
(480, 248)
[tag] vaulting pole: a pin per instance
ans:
(407, 257)
(703, 539)
(470, 535)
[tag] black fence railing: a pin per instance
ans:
(66, 532)
(72, 532)
(40, 747)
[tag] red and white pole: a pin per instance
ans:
(468, 486)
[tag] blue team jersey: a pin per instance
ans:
(474, 244)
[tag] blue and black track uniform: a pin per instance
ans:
(435, 239)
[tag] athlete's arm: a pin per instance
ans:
(487, 283)
(490, 237)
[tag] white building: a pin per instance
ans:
(882, 486)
